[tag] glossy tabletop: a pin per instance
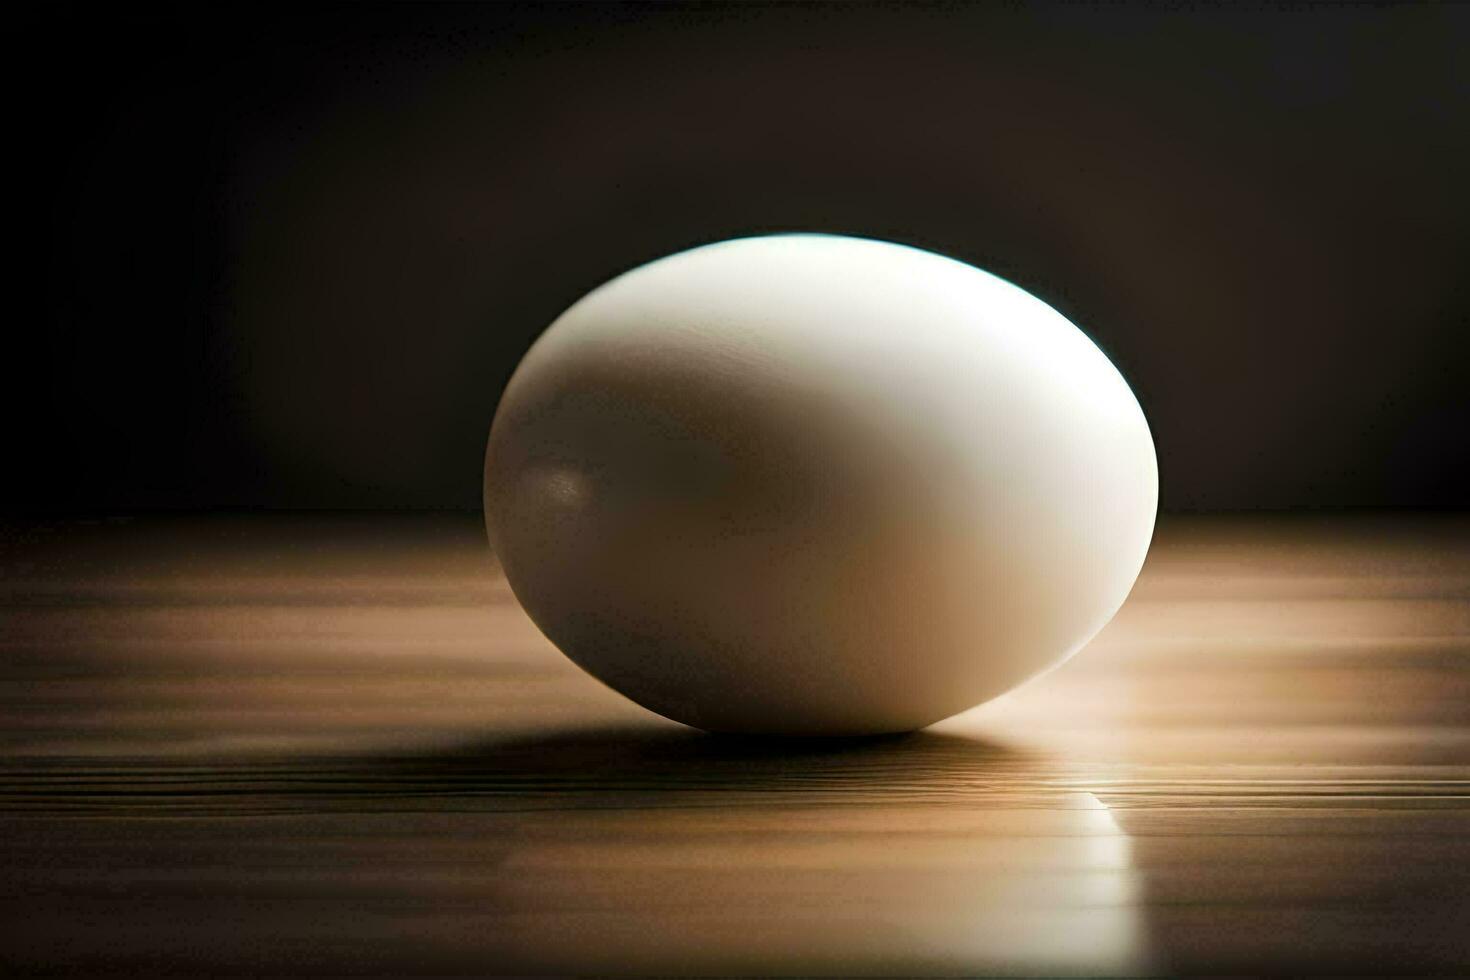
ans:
(334, 745)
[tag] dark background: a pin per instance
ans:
(289, 258)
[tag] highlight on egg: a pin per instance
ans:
(817, 485)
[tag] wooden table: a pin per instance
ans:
(334, 745)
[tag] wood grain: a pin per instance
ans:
(333, 745)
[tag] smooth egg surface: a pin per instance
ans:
(814, 484)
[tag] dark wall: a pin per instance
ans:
(290, 259)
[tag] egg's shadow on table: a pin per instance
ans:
(646, 765)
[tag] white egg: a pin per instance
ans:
(811, 484)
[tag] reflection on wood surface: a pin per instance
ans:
(334, 745)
